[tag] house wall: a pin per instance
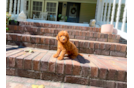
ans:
(87, 12)
(64, 9)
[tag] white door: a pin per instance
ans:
(37, 7)
(51, 7)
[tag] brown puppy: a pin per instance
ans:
(65, 46)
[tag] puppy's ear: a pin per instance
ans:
(68, 37)
(57, 37)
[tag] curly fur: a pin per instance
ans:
(65, 46)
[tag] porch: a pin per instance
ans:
(104, 11)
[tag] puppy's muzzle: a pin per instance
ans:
(63, 38)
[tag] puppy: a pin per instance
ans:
(65, 46)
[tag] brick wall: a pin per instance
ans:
(60, 26)
(91, 71)
(84, 46)
(74, 34)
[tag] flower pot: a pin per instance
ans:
(12, 22)
(107, 29)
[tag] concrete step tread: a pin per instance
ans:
(22, 82)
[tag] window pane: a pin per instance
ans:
(40, 8)
(50, 9)
(47, 9)
(54, 9)
(48, 4)
(37, 4)
(40, 3)
(37, 8)
(54, 5)
(33, 8)
(33, 3)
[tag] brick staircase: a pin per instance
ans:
(105, 67)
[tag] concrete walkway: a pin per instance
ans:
(21, 82)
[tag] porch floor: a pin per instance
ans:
(60, 23)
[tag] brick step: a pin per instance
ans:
(84, 46)
(74, 34)
(93, 70)
(35, 24)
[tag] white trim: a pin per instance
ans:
(10, 7)
(14, 9)
(18, 7)
(124, 18)
(130, 2)
(122, 34)
(102, 6)
(118, 14)
(96, 12)
(113, 11)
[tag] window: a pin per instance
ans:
(51, 8)
(37, 8)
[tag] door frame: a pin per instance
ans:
(56, 7)
(32, 6)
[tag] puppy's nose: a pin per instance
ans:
(63, 38)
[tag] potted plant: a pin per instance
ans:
(8, 18)
(12, 21)
(62, 18)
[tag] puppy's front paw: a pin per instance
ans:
(60, 58)
(55, 55)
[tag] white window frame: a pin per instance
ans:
(56, 7)
(32, 6)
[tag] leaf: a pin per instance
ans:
(59, 15)
(38, 86)
(15, 21)
(65, 18)
(30, 51)
(34, 86)
(7, 28)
